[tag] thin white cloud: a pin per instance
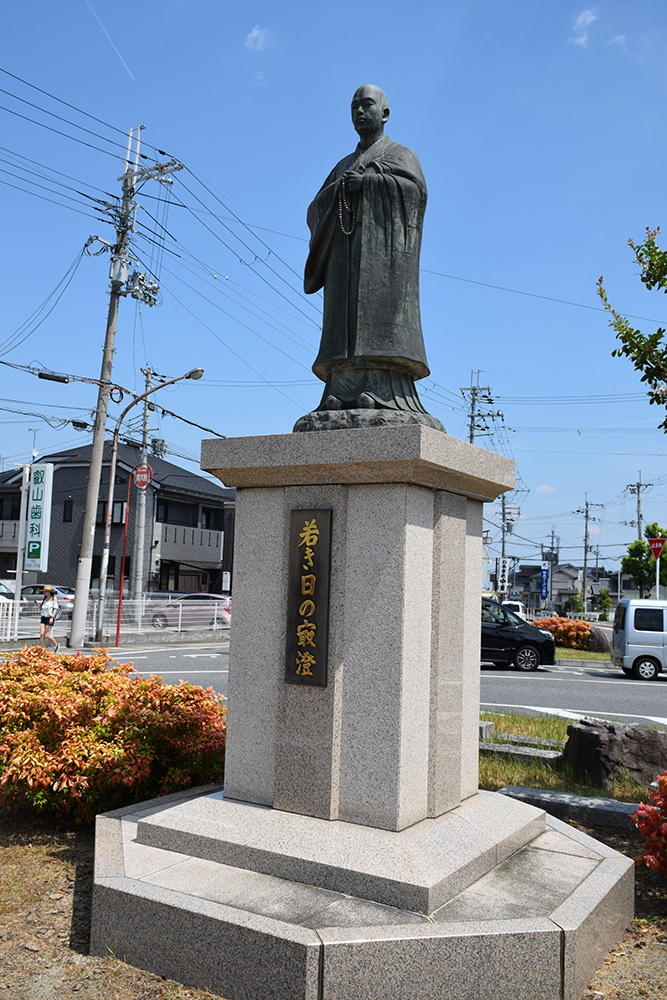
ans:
(258, 40)
(620, 41)
(545, 488)
(582, 23)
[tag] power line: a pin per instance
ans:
(51, 200)
(232, 351)
(532, 295)
(26, 329)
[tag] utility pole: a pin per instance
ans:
(637, 488)
(140, 523)
(553, 559)
(476, 420)
(137, 286)
(587, 517)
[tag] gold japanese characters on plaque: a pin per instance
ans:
(308, 597)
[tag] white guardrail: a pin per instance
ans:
(145, 615)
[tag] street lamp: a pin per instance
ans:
(195, 374)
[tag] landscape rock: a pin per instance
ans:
(600, 639)
(606, 750)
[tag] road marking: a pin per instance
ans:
(182, 673)
(199, 656)
(569, 714)
(129, 651)
(544, 678)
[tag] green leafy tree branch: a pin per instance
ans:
(639, 563)
(648, 352)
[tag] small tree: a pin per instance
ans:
(604, 603)
(648, 352)
(640, 564)
(574, 603)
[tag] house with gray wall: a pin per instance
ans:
(188, 519)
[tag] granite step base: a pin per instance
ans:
(536, 923)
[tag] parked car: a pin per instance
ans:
(639, 637)
(5, 593)
(34, 594)
(507, 638)
(192, 610)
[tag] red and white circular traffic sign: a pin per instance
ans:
(142, 475)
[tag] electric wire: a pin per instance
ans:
(27, 180)
(52, 170)
(232, 351)
(230, 286)
(257, 259)
(239, 220)
(27, 328)
(51, 200)
(235, 319)
(257, 312)
(59, 118)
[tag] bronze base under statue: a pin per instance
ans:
(333, 420)
(367, 397)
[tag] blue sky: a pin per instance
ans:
(540, 130)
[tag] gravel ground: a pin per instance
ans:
(45, 893)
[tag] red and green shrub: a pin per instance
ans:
(83, 734)
(651, 821)
(568, 632)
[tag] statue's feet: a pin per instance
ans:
(333, 403)
(366, 401)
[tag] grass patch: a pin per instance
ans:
(580, 654)
(549, 727)
(496, 772)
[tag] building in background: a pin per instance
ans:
(189, 524)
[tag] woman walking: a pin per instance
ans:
(48, 610)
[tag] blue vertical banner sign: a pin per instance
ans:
(38, 524)
(544, 581)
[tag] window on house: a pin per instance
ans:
(162, 512)
(117, 512)
(111, 571)
(67, 509)
(10, 508)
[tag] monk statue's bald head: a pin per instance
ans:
(370, 112)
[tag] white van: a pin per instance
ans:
(639, 639)
(517, 607)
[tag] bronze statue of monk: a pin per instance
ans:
(366, 230)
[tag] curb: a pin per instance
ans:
(588, 810)
(596, 664)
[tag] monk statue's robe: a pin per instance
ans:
(364, 252)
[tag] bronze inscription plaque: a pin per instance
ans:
(308, 597)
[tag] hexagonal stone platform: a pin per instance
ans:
(534, 920)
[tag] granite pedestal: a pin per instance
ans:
(351, 854)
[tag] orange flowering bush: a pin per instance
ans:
(569, 632)
(83, 734)
(651, 821)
